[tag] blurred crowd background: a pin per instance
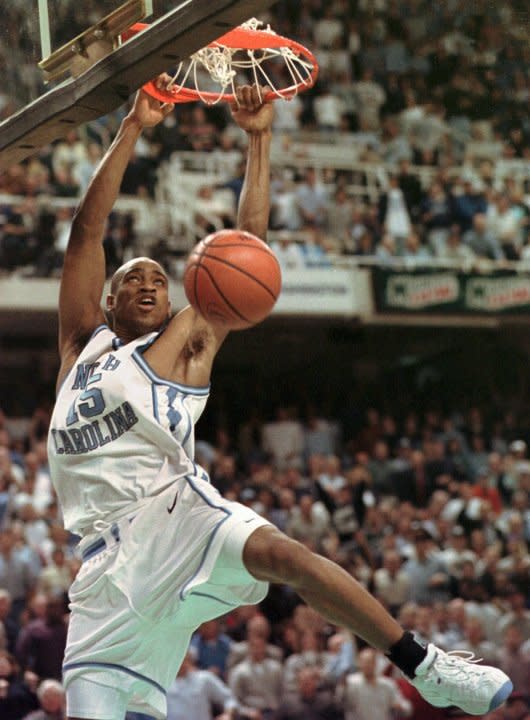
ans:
(413, 147)
(430, 512)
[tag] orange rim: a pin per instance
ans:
(238, 38)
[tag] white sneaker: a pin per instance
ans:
(455, 678)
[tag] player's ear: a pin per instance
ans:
(169, 308)
(110, 302)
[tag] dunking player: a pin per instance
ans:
(162, 550)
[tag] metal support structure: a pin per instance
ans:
(44, 27)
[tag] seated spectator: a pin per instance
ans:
(505, 221)
(391, 582)
(18, 573)
(310, 700)
(386, 249)
(283, 438)
(33, 528)
(413, 251)
(483, 490)
(85, 167)
(7, 623)
(452, 248)
(319, 434)
(411, 188)
(52, 701)
(203, 133)
(256, 625)
(256, 681)
(475, 642)
(331, 477)
(394, 214)
(342, 656)
(312, 200)
(68, 155)
(481, 240)
(287, 115)
(428, 577)
(285, 211)
(513, 660)
(340, 218)
(309, 522)
(314, 249)
(468, 201)
(280, 515)
(518, 615)
(329, 108)
(436, 216)
(195, 692)
(368, 694)
(370, 98)
(457, 551)
(37, 482)
(17, 698)
(288, 251)
(55, 577)
(41, 644)
(211, 647)
(311, 654)
(17, 224)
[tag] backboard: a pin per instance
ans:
(39, 105)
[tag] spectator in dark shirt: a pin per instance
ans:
(312, 701)
(211, 647)
(468, 202)
(40, 647)
(16, 698)
(8, 623)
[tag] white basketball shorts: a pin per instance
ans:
(146, 586)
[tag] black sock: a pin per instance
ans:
(407, 654)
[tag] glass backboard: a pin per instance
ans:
(32, 29)
(36, 108)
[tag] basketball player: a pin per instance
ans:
(162, 550)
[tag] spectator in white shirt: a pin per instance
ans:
(256, 682)
(391, 583)
(368, 695)
(194, 692)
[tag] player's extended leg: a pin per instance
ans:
(270, 555)
(442, 678)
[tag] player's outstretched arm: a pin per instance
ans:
(83, 274)
(255, 117)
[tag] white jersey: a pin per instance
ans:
(119, 433)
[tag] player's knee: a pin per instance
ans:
(278, 558)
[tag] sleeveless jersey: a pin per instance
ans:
(119, 433)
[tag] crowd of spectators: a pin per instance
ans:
(413, 87)
(430, 512)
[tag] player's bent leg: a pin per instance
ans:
(442, 678)
(270, 555)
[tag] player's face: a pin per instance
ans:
(140, 302)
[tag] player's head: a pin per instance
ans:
(138, 302)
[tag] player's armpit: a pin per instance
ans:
(185, 351)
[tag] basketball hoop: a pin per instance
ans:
(247, 48)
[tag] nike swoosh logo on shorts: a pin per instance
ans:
(172, 506)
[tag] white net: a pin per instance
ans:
(223, 64)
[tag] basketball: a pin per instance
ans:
(232, 278)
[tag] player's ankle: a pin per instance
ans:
(407, 654)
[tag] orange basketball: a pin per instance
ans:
(232, 278)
